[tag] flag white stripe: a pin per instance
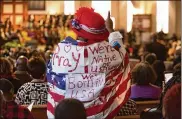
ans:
(113, 106)
(50, 115)
(124, 77)
(117, 101)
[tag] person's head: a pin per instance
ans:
(70, 109)
(21, 63)
(12, 63)
(36, 67)
(34, 53)
(177, 70)
(150, 58)
(142, 54)
(7, 88)
(5, 67)
(93, 29)
(143, 74)
(23, 51)
(172, 103)
(178, 52)
(48, 55)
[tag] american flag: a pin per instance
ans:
(113, 95)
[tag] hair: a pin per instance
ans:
(159, 68)
(177, 70)
(21, 63)
(5, 67)
(12, 63)
(22, 52)
(36, 67)
(70, 109)
(143, 74)
(172, 102)
(6, 86)
(150, 58)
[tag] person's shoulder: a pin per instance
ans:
(133, 85)
(24, 86)
(13, 78)
(155, 87)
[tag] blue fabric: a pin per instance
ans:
(70, 40)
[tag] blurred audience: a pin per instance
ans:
(177, 57)
(6, 71)
(36, 90)
(23, 66)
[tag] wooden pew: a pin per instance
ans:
(128, 117)
(141, 105)
(39, 111)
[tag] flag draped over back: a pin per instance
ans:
(95, 74)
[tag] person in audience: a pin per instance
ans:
(36, 90)
(176, 79)
(142, 54)
(172, 103)
(158, 48)
(22, 70)
(9, 108)
(6, 71)
(48, 55)
(130, 108)
(12, 63)
(1, 104)
(142, 77)
(177, 57)
(150, 58)
(67, 63)
(159, 68)
(70, 109)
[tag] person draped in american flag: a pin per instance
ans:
(90, 68)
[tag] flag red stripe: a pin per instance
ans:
(99, 108)
(106, 90)
(50, 107)
(116, 110)
(56, 96)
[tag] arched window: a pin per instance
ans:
(162, 16)
(129, 15)
(131, 10)
(102, 7)
(69, 7)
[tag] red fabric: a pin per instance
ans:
(91, 19)
(12, 110)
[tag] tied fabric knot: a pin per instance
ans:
(75, 24)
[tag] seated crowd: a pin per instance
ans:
(28, 83)
(23, 81)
